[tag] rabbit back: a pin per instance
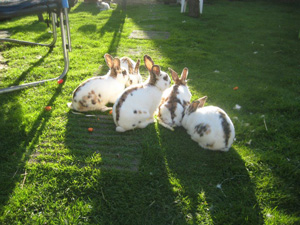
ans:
(172, 106)
(95, 93)
(135, 107)
(170, 115)
(211, 127)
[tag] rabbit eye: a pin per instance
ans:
(124, 72)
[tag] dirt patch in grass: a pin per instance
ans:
(142, 34)
(4, 34)
(3, 64)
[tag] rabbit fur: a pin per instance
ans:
(103, 5)
(210, 126)
(135, 107)
(95, 93)
(133, 71)
(174, 101)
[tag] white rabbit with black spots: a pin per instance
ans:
(133, 71)
(174, 101)
(210, 126)
(96, 92)
(135, 107)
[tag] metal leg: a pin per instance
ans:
(68, 28)
(64, 46)
(183, 6)
(201, 6)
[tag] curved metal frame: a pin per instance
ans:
(66, 45)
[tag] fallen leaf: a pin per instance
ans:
(235, 88)
(90, 129)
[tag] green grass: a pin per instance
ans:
(53, 171)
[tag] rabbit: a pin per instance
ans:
(174, 101)
(103, 5)
(95, 93)
(135, 107)
(210, 126)
(132, 70)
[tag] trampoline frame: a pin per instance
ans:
(62, 12)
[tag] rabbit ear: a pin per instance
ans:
(116, 63)
(193, 106)
(156, 70)
(130, 66)
(148, 62)
(184, 74)
(174, 74)
(202, 101)
(137, 66)
(109, 60)
(199, 103)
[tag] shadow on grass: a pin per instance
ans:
(17, 140)
(23, 75)
(85, 7)
(88, 28)
(204, 186)
(154, 176)
(34, 26)
(125, 173)
(115, 23)
(12, 135)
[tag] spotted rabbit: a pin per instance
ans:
(210, 126)
(95, 93)
(136, 106)
(133, 71)
(174, 100)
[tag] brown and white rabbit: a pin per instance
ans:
(96, 92)
(210, 126)
(133, 71)
(174, 101)
(136, 106)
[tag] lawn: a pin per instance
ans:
(245, 53)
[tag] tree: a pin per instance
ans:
(193, 8)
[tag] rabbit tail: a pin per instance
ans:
(70, 105)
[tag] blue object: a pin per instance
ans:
(65, 4)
